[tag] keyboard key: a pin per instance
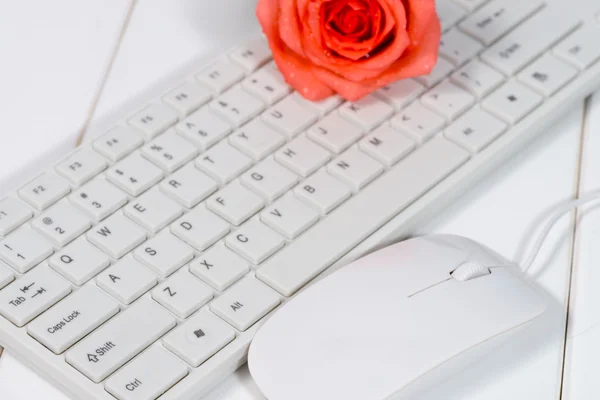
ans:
(323, 192)
(44, 190)
(223, 162)
(61, 224)
(187, 97)
(478, 78)
(136, 381)
(449, 13)
(117, 235)
(448, 100)
(547, 75)
(134, 174)
(154, 119)
(302, 156)
(32, 294)
(498, 17)
(82, 166)
(118, 142)
(418, 122)
(99, 199)
(269, 179)
(24, 249)
(12, 214)
(200, 228)
(335, 133)
(127, 280)
(355, 168)
(367, 112)
(512, 101)
(153, 211)
(237, 106)
(322, 107)
(289, 216)
(199, 338)
(235, 203)
(471, 4)
(255, 241)
(73, 318)
(387, 145)
(581, 47)
(120, 339)
(188, 186)
(251, 56)
(245, 303)
(256, 140)
(220, 76)
(458, 47)
(442, 69)
(203, 128)
(267, 84)
(182, 294)
(79, 262)
(164, 253)
(400, 93)
(219, 267)
(6, 275)
(169, 151)
(300, 261)
(289, 117)
(475, 130)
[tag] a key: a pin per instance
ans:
(367, 112)
(6, 275)
(497, 17)
(418, 122)
(99, 199)
(199, 338)
(119, 340)
(448, 100)
(188, 186)
(73, 318)
(335, 133)
(13, 213)
(153, 120)
(32, 294)
(61, 224)
(82, 166)
(255, 241)
(581, 47)
(547, 75)
(235, 203)
(200, 228)
(251, 56)
(267, 84)
(127, 280)
(355, 168)
(323, 192)
(203, 128)
(269, 179)
(322, 107)
(79, 262)
(458, 47)
(153, 211)
(219, 267)
(387, 145)
(24, 249)
(289, 216)
(449, 13)
(136, 381)
(116, 235)
(44, 190)
(442, 69)
(289, 117)
(302, 156)
(134, 174)
(245, 303)
(118, 142)
(169, 151)
(478, 78)
(512, 101)
(223, 162)
(182, 294)
(220, 76)
(187, 97)
(256, 139)
(400, 93)
(475, 130)
(237, 106)
(164, 253)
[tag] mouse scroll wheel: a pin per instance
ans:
(470, 270)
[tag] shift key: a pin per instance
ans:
(121, 339)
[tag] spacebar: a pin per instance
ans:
(362, 215)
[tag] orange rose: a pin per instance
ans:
(350, 47)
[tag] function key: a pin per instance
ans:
(44, 190)
(220, 76)
(12, 214)
(581, 47)
(252, 55)
(118, 142)
(82, 166)
(154, 119)
(187, 97)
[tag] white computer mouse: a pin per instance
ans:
(394, 322)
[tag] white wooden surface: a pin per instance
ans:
(60, 55)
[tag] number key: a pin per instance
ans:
(169, 151)
(134, 174)
(99, 199)
(24, 249)
(61, 224)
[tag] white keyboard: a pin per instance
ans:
(142, 264)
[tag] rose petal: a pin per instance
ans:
(289, 26)
(420, 13)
